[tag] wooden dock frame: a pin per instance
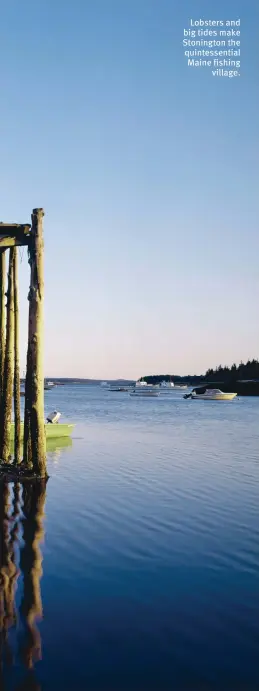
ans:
(33, 465)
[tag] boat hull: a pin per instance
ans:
(147, 394)
(58, 431)
(216, 397)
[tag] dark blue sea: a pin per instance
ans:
(137, 568)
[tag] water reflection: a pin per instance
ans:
(8, 572)
(54, 447)
(21, 511)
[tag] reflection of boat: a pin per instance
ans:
(52, 444)
(211, 395)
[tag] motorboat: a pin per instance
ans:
(211, 395)
(119, 388)
(145, 394)
(53, 428)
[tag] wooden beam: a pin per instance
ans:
(8, 242)
(14, 229)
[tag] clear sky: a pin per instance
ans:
(148, 173)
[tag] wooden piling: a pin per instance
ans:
(35, 423)
(6, 417)
(17, 392)
(2, 321)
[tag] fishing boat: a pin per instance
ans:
(211, 395)
(167, 385)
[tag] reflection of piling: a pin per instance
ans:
(30, 564)
(8, 570)
(13, 570)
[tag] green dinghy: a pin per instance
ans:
(55, 431)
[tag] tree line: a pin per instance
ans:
(246, 371)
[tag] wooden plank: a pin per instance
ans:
(7, 242)
(14, 229)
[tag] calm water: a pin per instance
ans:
(148, 535)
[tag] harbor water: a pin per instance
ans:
(138, 568)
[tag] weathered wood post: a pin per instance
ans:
(34, 432)
(7, 399)
(17, 392)
(2, 321)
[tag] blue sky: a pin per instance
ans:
(148, 174)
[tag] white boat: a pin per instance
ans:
(213, 395)
(144, 394)
(166, 385)
(141, 383)
(48, 385)
(104, 383)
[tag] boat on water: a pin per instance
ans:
(144, 394)
(53, 428)
(168, 385)
(120, 388)
(211, 395)
(48, 385)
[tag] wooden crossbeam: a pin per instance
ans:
(7, 242)
(14, 230)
